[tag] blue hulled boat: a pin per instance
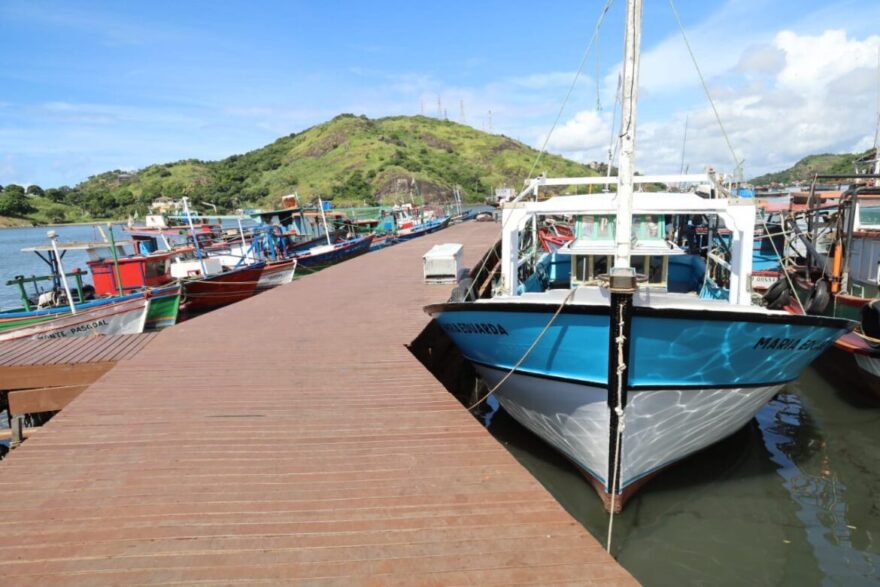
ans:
(692, 370)
(610, 366)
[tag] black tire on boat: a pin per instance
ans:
(777, 295)
(870, 319)
(819, 298)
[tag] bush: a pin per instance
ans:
(14, 203)
(56, 214)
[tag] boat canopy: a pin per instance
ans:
(738, 215)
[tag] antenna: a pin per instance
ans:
(439, 107)
(422, 111)
(490, 122)
(461, 112)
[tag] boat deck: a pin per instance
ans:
(288, 438)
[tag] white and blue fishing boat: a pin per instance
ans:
(620, 374)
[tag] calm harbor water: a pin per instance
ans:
(14, 262)
(792, 499)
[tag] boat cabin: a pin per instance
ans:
(652, 252)
(592, 249)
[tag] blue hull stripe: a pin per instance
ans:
(633, 388)
(666, 351)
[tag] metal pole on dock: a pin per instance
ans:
(324, 220)
(52, 237)
(115, 258)
(243, 241)
(192, 229)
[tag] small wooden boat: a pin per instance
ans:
(323, 256)
(116, 315)
(202, 293)
(276, 273)
(422, 228)
(380, 241)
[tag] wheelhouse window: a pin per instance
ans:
(153, 269)
(587, 269)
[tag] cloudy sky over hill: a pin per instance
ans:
(94, 86)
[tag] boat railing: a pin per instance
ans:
(534, 185)
(21, 280)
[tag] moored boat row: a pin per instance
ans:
(161, 280)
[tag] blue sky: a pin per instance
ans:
(87, 87)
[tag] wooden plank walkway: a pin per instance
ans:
(67, 361)
(288, 438)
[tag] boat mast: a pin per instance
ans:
(623, 232)
(622, 281)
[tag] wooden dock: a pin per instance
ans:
(290, 438)
(46, 375)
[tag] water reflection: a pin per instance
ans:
(791, 499)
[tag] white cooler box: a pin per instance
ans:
(443, 262)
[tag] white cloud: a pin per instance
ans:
(585, 131)
(780, 101)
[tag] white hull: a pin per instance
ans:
(126, 317)
(272, 278)
(660, 426)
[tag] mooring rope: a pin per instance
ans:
(858, 332)
(618, 409)
(527, 353)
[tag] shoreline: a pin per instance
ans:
(29, 224)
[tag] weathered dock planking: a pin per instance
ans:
(289, 438)
(46, 375)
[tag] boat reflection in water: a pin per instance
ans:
(790, 499)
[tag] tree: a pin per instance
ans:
(57, 195)
(13, 189)
(14, 203)
(56, 213)
(35, 190)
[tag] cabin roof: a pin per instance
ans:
(74, 246)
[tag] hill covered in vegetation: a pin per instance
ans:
(350, 160)
(806, 168)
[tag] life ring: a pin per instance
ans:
(818, 299)
(777, 295)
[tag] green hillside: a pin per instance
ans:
(806, 168)
(350, 160)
